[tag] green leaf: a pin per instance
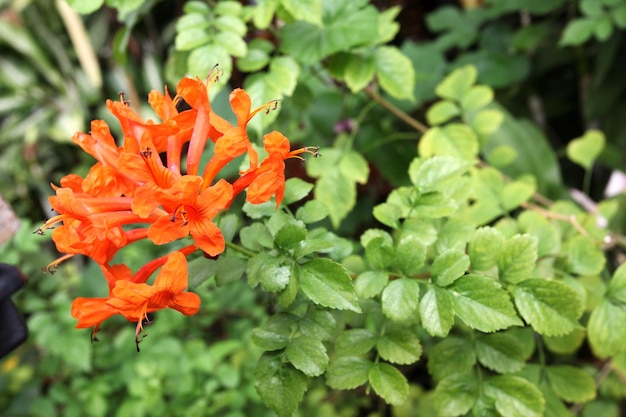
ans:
(482, 304)
(192, 38)
(577, 31)
(280, 386)
(233, 43)
(352, 165)
(264, 12)
(410, 254)
(500, 352)
(268, 271)
(395, 72)
(370, 283)
(399, 346)
(617, 285)
(571, 384)
(568, 343)
(436, 312)
(320, 324)
(256, 237)
(455, 395)
(305, 10)
(327, 283)
(228, 7)
(290, 236)
(451, 356)
(487, 122)
(201, 60)
(550, 307)
(515, 396)
(434, 205)
(484, 248)
(449, 266)
(229, 269)
(501, 156)
(454, 139)
(274, 334)
(379, 253)
(312, 212)
(295, 190)
(606, 330)
(516, 259)
(400, 299)
(456, 85)
(359, 72)
(388, 214)
(355, 342)
(307, 354)
(85, 6)
(477, 97)
(547, 234)
(338, 193)
(389, 383)
(427, 174)
(441, 112)
(583, 256)
(348, 372)
(517, 192)
(586, 149)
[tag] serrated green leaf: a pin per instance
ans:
(399, 346)
(268, 271)
(310, 246)
(395, 72)
(571, 384)
(274, 334)
(586, 149)
(348, 372)
(454, 139)
(449, 266)
(583, 256)
(289, 236)
(451, 356)
(455, 395)
(500, 352)
(487, 122)
(547, 234)
(441, 112)
(295, 190)
(606, 330)
(482, 304)
(355, 342)
(371, 234)
(327, 283)
(458, 83)
(577, 31)
(312, 212)
(256, 236)
(428, 173)
(515, 396)
(307, 354)
(379, 253)
(484, 248)
(550, 307)
(338, 193)
(434, 205)
(477, 97)
(280, 386)
(517, 258)
(388, 383)
(359, 72)
(410, 254)
(436, 312)
(400, 299)
(320, 324)
(370, 283)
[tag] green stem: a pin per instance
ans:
(420, 127)
(587, 181)
(240, 249)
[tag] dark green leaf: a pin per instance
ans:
(400, 299)
(327, 283)
(515, 396)
(348, 372)
(229, 269)
(400, 346)
(318, 323)
(455, 395)
(617, 285)
(268, 271)
(280, 386)
(274, 334)
(338, 193)
(577, 31)
(389, 383)
(449, 266)
(355, 342)
(500, 352)
(379, 253)
(517, 257)
(308, 354)
(290, 236)
(256, 237)
(571, 384)
(436, 312)
(451, 356)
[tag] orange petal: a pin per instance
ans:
(91, 311)
(164, 230)
(173, 275)
(187, 303)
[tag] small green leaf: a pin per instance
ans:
(399, 346)
(295, 190)
(370, 283)
(454, 139)
(410, 254)
(441, 112)
(571, 384)
(379, 253)
(586, 149)
(451, 356)
(501, 156)
(280, 386)
(388, 214)
(264, 12)
(389, 383)
(312, 212)
(268, 271)
(449, 266)
(274, 334)
(458, 83)
(400, 299)
(229, 269)
(617, 285)
(550, 307)
(455, 395)
(606, 330)
(500, 352)
(517, 258)
(359, 72)
(338, 193)
(482, 304)
(395, 72)
(515, 193)
(320, 324)
(515, 396)
(477, 97)
(436, 312)
(355, 342)
(305, 10)
(85, 6)
(307, 354)
(327, 283)
(428, 173)
(233, 43)
(352, 165)
(487, 122)
(348, 372)
(568, 343)
(583, 256)
(577, 31)
(484, 248)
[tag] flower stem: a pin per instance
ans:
(240, 249)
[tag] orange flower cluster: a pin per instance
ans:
(140, 191)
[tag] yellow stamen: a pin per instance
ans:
(52, 266)
(267, 107)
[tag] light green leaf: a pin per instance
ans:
(348, 372)
(427, 174)
(388, 214)
(606, 330)
(484, 248)
(268, 271)
(370, 283)
(395, 72)
(617, 285)
(355, 342)
(577, 31)
(312, 212)
(280, 386)
(477, 97)
(517, 192)
(456, 85)
(307, 354)
(264, 12)
(571, 384)
(389, 383)
(550, 307)
(434, 205)
(400, 299)
(586, 149)
(228, 7)
(229, 23)
(295, 190)
(583, 256)
(327, 283)
(449, 266)
(487, 121)
(85, 6)
(410, 254)
(441, 112)
(320, 324)
(515, 396)
(399, 346)
(451, 356)
(568, 343)
(547, 234)
(201, 60)
(436, 312)
(305, 10)
(501, 156)
(352, 165)
(454, 139)
(379, 253)
(455, 395)
(338, 193)
(517, 258)
(359, 72)
(500, 352)
(482, 304)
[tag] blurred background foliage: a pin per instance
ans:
(557, 67)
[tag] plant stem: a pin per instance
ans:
(373, 94)
(240, 249)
